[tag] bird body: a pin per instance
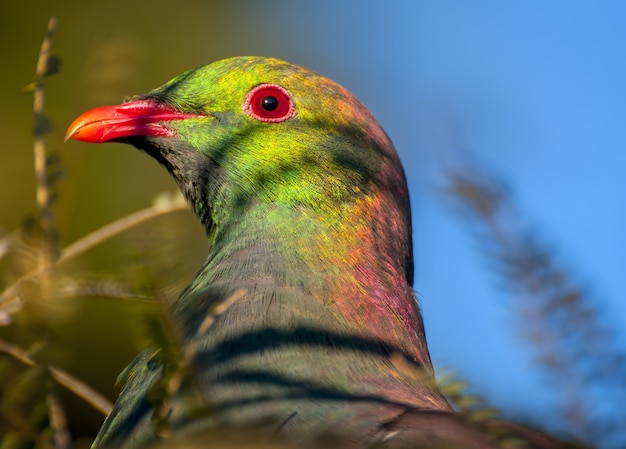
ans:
(304, 306)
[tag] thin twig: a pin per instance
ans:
(118, 226)
(219, 310)
(214, 313)
(184, 367)
(100, 235)
(47, 252)
(79, 388)
(562, 320)
(58, 422)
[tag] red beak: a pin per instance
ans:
(135, 118)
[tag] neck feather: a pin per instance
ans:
(352, 266)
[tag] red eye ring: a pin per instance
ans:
(269, 103)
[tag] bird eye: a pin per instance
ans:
(269, 103)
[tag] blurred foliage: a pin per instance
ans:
(558, 315)
(72, 325)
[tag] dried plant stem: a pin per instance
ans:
(48, 242)
(562, 320)
(185, 353)
(118, 226)
(79, 388)
(100, 235)
(58, 422)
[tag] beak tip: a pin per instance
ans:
(70, 133)
(83, 129)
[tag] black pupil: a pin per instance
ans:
(269, 103)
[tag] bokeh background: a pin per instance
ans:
(532, 91)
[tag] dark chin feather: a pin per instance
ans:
(192, 171)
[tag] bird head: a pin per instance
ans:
(251, 130)
(263, 129)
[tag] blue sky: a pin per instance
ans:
(538, 88)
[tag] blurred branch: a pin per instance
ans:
(79, 388)
(178, 356)
(48, 250)
(162, 206)
(575, 348)
(58, 422)
(72, 288)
